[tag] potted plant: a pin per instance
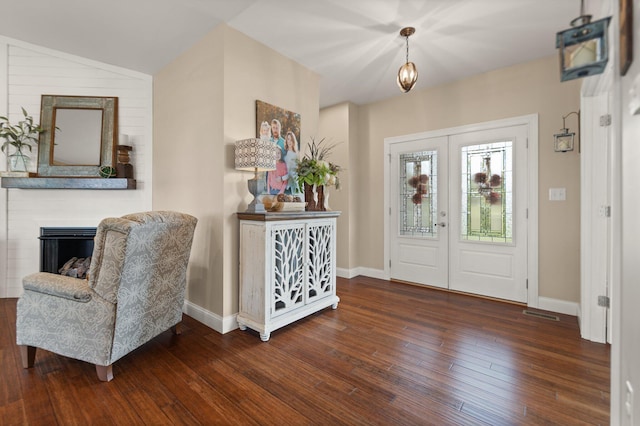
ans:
(21, 137)
(315, 172)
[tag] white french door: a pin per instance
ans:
(458, 212)
(419, 206)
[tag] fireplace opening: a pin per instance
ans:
(59, 247)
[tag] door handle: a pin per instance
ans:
(442, 224)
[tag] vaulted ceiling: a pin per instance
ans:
(354, 45)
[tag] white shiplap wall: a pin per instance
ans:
(30, 72)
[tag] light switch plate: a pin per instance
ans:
(557, 194)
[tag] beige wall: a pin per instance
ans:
(203, 102)
(523, 89)
(188, 142)
(255, 72)
(338, 124)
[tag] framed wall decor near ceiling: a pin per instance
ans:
(626, 35)
(281, 127)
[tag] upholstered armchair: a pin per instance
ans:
(135, 291)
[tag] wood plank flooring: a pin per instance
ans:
(391, 354)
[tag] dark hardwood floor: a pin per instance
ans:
(391, 354)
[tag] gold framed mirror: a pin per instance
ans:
(79, 135)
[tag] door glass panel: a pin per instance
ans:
(487, 192)
(418, 194)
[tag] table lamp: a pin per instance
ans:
(257, 155)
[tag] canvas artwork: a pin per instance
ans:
(281, 127)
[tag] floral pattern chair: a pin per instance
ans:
(134, 292)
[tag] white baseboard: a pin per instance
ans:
(14, 292)
(367, 272)
(559, 306)
(208, 318)
(346, 273)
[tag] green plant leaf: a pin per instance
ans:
(20, 135)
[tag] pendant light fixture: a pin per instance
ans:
(408, 73)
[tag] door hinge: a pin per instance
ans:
(605, 120)
(527, 144)
(389, 263)
(527, 283)
(527, 214)
(605, 211)
(389, 211)
(604, 301)
(389, 158)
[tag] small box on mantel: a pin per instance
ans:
(17, 174)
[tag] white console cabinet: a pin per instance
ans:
(287, 268)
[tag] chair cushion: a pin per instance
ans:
(58, 285)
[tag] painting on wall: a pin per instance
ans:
(282, 128)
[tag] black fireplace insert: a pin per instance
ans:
(59, 245)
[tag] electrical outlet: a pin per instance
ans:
(628, 405)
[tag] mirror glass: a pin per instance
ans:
(79, 135)
(79, 143)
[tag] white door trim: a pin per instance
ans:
(595, 231)
(4, 193)
(531, 121)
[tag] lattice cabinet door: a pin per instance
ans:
(321, 260)
(288, 254)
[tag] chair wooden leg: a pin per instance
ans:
(105, 372)
(28, 355)
(177, 329)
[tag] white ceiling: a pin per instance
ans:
(354, 45)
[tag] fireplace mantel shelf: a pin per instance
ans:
(67, 183)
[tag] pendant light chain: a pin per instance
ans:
(407, 38)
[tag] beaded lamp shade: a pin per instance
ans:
(255, 155)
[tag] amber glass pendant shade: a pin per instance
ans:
(407, 76)
(408, 73)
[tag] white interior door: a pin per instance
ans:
(466, 230)
(419, 196)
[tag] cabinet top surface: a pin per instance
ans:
(273, 216)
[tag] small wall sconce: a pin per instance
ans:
(564, 139)
(584, 47)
